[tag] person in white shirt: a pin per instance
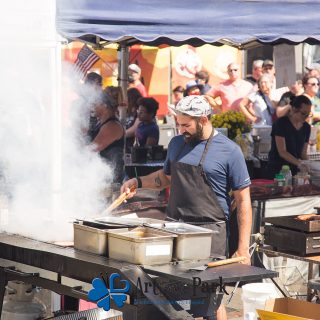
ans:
(262, 110)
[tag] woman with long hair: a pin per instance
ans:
(290, 136)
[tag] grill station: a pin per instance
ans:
(174, 280)
(289, 233)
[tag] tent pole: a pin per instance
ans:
(170, 77)
(123, 62)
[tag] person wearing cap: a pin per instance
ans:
(192, 89)
(202, 167)
(256, 72)
(231, 91)
(268, 68)
(134, 74)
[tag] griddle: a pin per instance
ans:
(287, 233)
(298, 242)
(291, 222)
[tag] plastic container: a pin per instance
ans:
(254, 296)
(286, 172)
(279, 180)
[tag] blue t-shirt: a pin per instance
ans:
(144, 131)
(224, 165)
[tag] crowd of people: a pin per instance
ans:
(101, 125)
(255, 96)
(291, 115)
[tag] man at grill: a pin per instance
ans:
(201, 168)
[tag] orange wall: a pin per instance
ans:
(157, 69)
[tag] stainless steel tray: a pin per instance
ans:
(141, 245)
(90, 238)
(129, 222)
(192, 242)
(180, 228)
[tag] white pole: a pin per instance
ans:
(123, 61)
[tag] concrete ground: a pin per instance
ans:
(235, 307)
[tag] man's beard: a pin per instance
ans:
(195, 138)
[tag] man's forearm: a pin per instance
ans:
(156, 180)
(244, 214)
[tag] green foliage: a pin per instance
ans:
(234, 121)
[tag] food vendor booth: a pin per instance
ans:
(152, 23)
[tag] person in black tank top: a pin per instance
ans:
(108, 138)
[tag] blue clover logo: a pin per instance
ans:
(103, 295)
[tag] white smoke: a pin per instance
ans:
(47, 173)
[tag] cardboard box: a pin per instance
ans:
(289, 309)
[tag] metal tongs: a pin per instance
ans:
(116, 203)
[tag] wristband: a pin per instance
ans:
(139, 182)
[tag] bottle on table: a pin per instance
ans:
(286, 172)
(279, 180)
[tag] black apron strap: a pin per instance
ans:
(206, 148)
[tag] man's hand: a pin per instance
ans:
(243, 253)
(127, 187)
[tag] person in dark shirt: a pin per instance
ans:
(147, 133)
(202, 79)
(132, 120)
(108, 136)
(290, 135)
(284, 104)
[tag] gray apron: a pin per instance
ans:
(193, 201)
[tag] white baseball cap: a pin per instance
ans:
(135, 68)
(194, 106)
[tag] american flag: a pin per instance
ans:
(85, 60)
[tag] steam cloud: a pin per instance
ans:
(48, 176)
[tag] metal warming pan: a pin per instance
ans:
(91, 235)
(192, 242)
(141, 245)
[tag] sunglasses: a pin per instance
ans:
(305, 115)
